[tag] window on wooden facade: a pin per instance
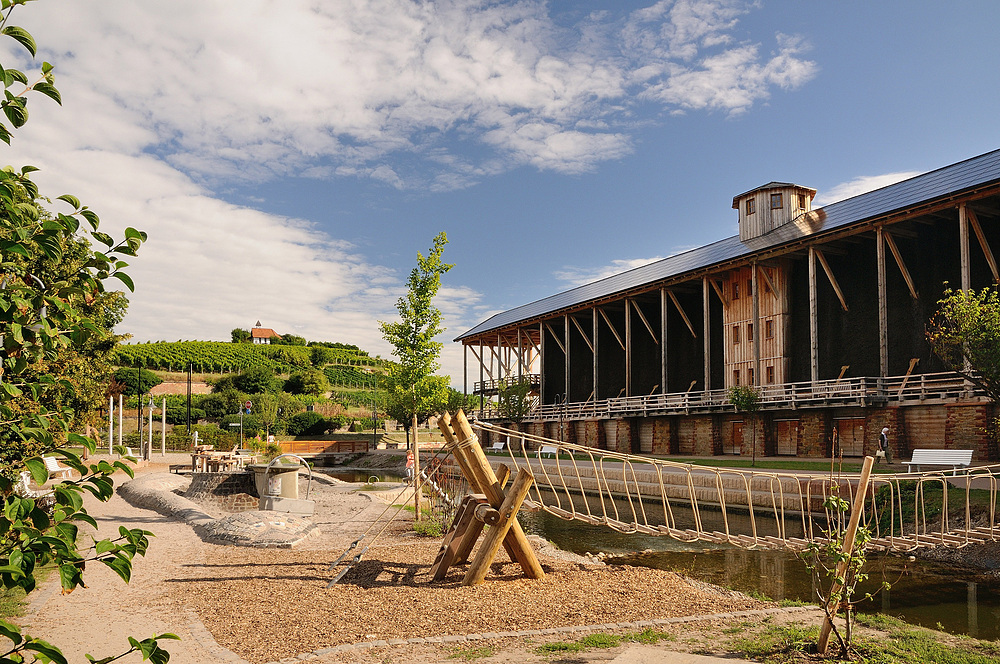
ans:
(768, 329)
(802, 201)
(736, 290)
(736, 376)
(736, 335)
(775, 201)
(770, 375)
(749, 331)
(750, 286)
(751, 206)
(750, 380)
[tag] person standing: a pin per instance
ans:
(883, 447)
(409, 466)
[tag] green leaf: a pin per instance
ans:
(92, 217)
(22, 37)
(47, 650)
(125, 279)
(38, 471)
(11, 632)
(121, 566)
(15, 112)
(48, 90)
(71, 199)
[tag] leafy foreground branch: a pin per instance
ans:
(53, 315)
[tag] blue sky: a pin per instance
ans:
(288, 159)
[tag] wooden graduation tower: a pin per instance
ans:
(488, 504)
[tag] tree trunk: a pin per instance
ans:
(416, 470)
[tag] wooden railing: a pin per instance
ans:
(492, 386)
(863, 391)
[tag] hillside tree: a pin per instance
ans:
(410, 385)
(43, 321)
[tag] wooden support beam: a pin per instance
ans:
(628, 348)
(755, 292)
(663, 335)
(718, 291)
(883, 318)
(566, 371)
(906, 378)
(813, 322)
(767, 280)
(902, 266)
(556, 337)
(645, 322)
(477, 470)
(706, 329)
(613, 330)
(680, 310)
(501, 526)
(974, 220)
(582, 333)
(595, 326)
(829, 275)
(963, 240)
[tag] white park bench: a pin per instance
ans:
(497, 447)
(548, 449)
(954, 458)
(55, 469)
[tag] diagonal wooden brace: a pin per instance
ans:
(498, 531)
(477, 470)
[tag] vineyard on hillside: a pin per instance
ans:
(342, 367)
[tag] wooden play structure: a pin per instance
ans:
(486, 505)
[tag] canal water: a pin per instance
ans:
(957, 600)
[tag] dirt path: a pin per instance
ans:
(269, 605)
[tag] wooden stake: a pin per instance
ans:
(852, 530)
(498, 531)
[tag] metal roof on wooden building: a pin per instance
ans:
(928, 188)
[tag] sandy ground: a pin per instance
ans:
(261, 605)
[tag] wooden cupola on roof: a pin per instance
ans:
(771, 205)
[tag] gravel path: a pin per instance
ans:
(232, 604)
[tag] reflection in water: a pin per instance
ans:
(960, 600)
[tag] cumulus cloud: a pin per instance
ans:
(274, 88)
(860, 185)
(168, 103)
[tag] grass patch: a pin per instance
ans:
(603, 640)
(770, 464)
(777, 643)
(428, 528)
(470, 654)
(12, 602)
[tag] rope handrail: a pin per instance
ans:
(750, 508)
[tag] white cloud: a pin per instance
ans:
(574, 276)
(164, 102)
(860, 185)
(274, 88)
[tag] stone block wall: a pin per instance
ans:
(594, 434)
(814, 433)
(965, 428)
(664, 436)
(232, 492)
(706, 435)
(878, 418)
(626, 432)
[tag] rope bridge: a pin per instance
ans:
(742, 507)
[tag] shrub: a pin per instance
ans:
(308, 381)
(256, 380)
(251, 425)
(307, 423)
(178, 414)
(137, 381)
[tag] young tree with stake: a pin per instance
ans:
(410, 384)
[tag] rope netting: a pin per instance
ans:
(739, 506)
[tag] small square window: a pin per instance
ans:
(768, 329)
(775, 201)
(770, 375)
(736, 334)
(736, 377)
(749, 331)
(736, 290)
(751, 206)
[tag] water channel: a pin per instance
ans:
(960, 600)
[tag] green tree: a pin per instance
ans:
(136, 381)
(514, 400)
(240, 335)
(256, 380)
(410, 383)
(44, 321)
(746, 399)
(265, 407)
(308, 381)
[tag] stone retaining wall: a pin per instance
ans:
(232, 492)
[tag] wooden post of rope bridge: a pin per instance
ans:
(498, 530)
(848, 549)
(477, 470)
